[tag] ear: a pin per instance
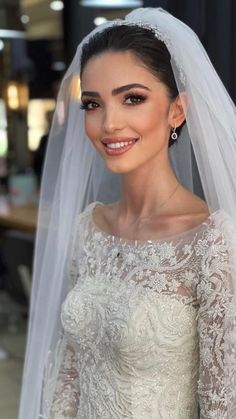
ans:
(178, 110)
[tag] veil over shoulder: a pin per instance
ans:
(74, 176)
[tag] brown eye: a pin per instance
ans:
(89, 105)
(134, 99)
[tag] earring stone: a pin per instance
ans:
(174, 134)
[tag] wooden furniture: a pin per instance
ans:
(19, 218)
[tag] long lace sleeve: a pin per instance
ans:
(65, 401)
(66, 398)
(217, 333)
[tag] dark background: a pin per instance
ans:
(213, 20)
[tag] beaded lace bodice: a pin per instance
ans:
(143, 325)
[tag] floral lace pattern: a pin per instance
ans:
(66, 398)
(146, 321)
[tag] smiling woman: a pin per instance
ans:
(130, 97)
(119, 111)
(144, 326)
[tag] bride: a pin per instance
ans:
(148, 310)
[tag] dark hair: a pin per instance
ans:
(143, 44)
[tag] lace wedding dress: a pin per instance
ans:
(143, 325)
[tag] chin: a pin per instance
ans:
(119, 167)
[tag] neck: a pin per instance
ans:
(145, 190)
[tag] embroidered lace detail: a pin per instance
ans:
(152, 326)
(66, 399)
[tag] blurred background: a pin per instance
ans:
(38, 39)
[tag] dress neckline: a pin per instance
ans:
(170, 238)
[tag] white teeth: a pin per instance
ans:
(120, 144)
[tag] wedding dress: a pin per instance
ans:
(143, 325)
(149, 327)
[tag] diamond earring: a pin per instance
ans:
(174, 134)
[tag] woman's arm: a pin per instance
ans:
(217, 335)
(66, 398)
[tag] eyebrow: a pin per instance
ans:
(117, 90)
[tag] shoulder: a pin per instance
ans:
(81, 220)
(84, 220)
(216, 250)
(79, 230)
(221, 228)
(217, 234)
(88, 211)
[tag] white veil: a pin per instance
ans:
(74, 175)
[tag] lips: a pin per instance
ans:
(118, 145)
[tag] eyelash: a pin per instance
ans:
(86, 103)
(137, 97)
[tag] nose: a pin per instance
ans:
(112, 120)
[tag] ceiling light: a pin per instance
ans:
(1, 45)
(110, 4)
(99, 20)
(25, 19)
(57, 5)
(58, 66)
(11, 34)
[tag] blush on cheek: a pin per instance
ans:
(92, 128)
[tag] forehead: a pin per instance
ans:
(116, 68)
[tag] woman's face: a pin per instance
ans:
(128, 114)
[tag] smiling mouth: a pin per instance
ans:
(114, 148)
(120, 144)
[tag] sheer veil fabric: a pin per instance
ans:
(74, 176)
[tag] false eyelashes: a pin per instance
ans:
(129, 99)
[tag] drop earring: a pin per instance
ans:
(174, 134)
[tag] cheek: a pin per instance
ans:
(92, 125)
(154, 122)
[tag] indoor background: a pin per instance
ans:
(38, 39)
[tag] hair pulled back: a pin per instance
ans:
(143, 43)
